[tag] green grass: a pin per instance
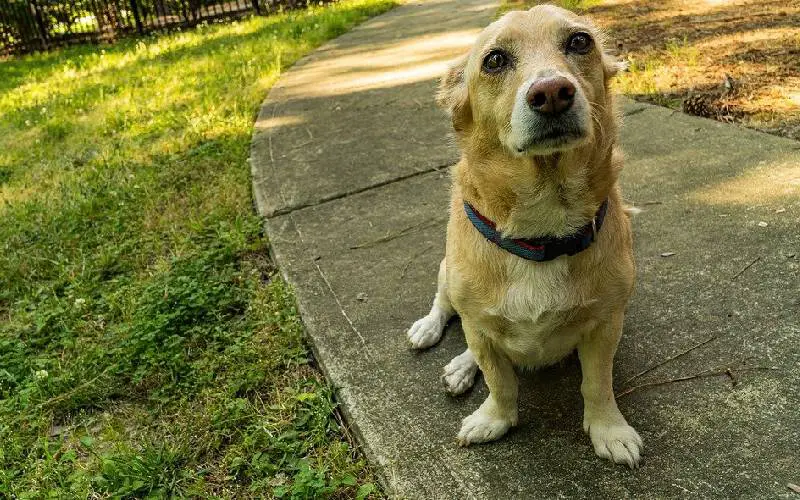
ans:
(574, 5)
(147, 347)
(649, 77)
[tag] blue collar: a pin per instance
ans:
(539, 249)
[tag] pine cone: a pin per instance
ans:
(711, 105)
(699, 105)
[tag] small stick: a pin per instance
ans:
(687, 351)
(73, 391)
(733, 377)
(745, 268)
(398, 234)
(412, 259)
(707, 373)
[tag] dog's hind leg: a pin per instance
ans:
(459, 374)
(427, 331)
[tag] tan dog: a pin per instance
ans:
(537, 128)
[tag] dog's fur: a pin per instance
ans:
(514, 311)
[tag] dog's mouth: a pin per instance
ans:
(552, 139)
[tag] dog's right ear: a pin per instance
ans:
(453, 96)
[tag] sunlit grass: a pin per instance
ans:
(575, 5)
(147, 348)
(654, 75)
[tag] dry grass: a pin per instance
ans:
(683, 48)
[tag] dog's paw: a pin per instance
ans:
(427, 331)
(617, 442)
(481, 427)
(459, 374)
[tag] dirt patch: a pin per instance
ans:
(731, 60)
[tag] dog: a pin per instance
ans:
(539, 254)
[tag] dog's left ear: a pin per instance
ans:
(612, 66)
(453, 95)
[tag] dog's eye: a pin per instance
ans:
(495, 61)
(579, 43)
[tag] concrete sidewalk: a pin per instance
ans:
(350, 165)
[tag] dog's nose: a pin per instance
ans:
(551, 96)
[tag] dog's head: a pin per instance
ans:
(535, 82)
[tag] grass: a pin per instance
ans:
(574, 5)
(147, 348)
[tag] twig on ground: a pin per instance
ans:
(707, 373)
(348, 436)
(398, 234)
(74, 390)
(301, 145)
(745, 268)
(412, 259)
(676, 356)
(733, 377)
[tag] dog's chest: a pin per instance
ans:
(539, 300)
(532, 289)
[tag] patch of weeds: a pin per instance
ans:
(54, 131)
(573, 5)
(639, 78)
(650, 78)
(683, 53)
(577, 5)
(157, 471)
(5, 175)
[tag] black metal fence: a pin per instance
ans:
(30, 25)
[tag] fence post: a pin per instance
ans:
(136, 18)
(256, 7)
(41, 28)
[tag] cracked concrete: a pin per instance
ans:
(347, 171)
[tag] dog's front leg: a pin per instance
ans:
(498, 412)
(427, 331)
(611, 435)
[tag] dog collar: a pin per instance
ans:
(539, 249)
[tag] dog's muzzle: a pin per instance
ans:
(548, 116)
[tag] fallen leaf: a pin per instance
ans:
(762, 224)
(668, 254)
(780, 210)
(361, 297)
(793, 487)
